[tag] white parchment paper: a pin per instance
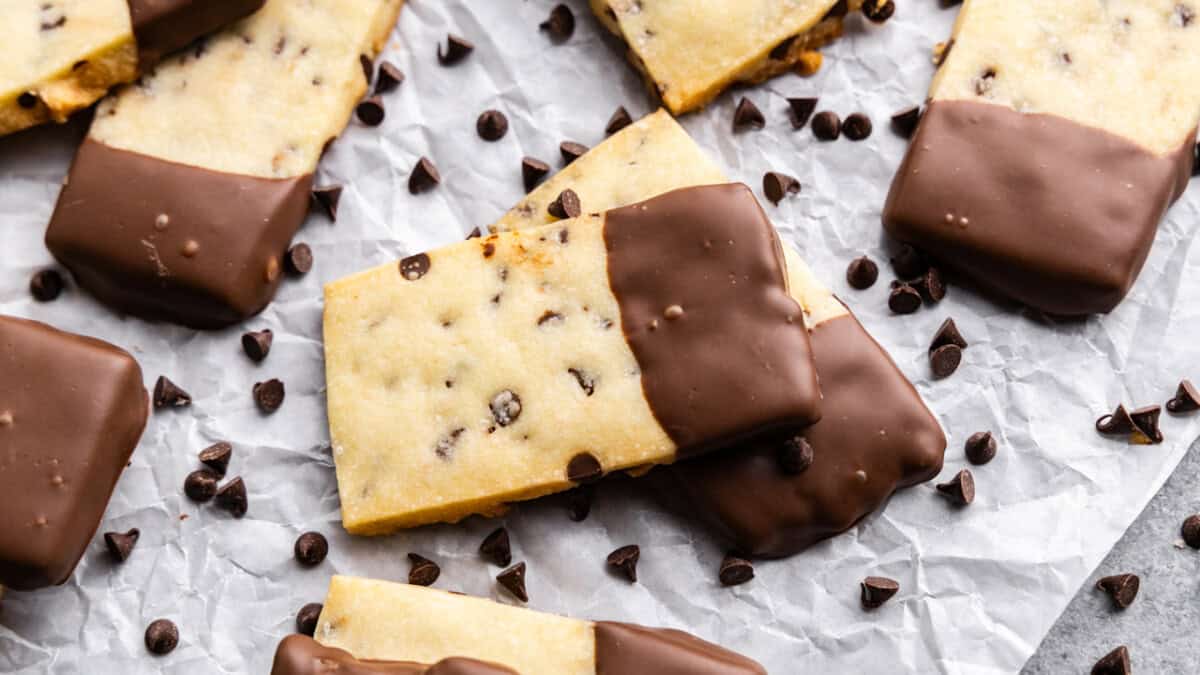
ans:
(979, 587)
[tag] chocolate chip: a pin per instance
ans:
(1115, 662)
(364, 62)
(778, 185)
(533, 171)
(506, 407)
(826, 126)
(1117, 423)
(800, 110)
(1122, 588)
(414, 266)
(268, 395)
(933, 286)
(475, 233)
(584, 468)
(167, 393)
(1187, 399)
(587, 381)
(947, 334)
(257, 344)
(299, 259)
(422, 571)
(625, 560)
(877, 590)
(908, 263)
(904, 122)
(735, 571)
(46, 285)
(579, 502)
(857, 127)
(370, 111)
(217, 456)
(571, 151)
(445, 444)
(980, 447)
(1145, 425)
(162, 637)
(423, 177)
(878, 11)
(904, 299)
(561, 23)
(565, 205)
(983, 83)
(619, 120)
(457, 49)
(496, 548)
(549, 316)
(780, 51)
(747, 116)
(311, 548)
(862, 273)
(513, 579)
(201, 485)
(491, 125)
(794, 455)
(944, 360)
(120, 545)
(306, 618)
(27, 100)
(389, 77)
(1191, 531)
(960, 490)
(1183, 13)
(327, 198)
(232, 497)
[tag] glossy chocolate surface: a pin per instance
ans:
(302, 655)
(162, 26)
(629, 649)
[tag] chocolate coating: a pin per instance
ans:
(699, 277)
(72, 408)
(302, 655)
(164, 240)
(162, 26)
(873, 422)
(628, 649)
(1058, 215)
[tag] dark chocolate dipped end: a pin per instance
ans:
(163, 26)
(302, 655)
(623, 648)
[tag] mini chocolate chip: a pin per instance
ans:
(800, 110)
(747, 116)
(857, 127)
(200, 485)
(1122, 588)
(370, 111)
(306, 618)
(1183, 12)
(1191, 531)
(904, 122)
(908, 263)
(571, 151)
(423, 177)
(167, 393)
(311, 548)
(960, 490)
(27, 100)
(533, 171)
(933, 286)
(1187, 399)
(457, 49)
(422, 571)
(778, 185)
(862, 273)
(1117, 423)
(826, 126)
(506, 407)
(904, 299)
(389, 77)
(579, 502)
(983, 83)
(735, 571)
(625, 560)
(560, 24)
(980, 447)
(587, 382)
(877, 590)
(492, 125)
(232, 497)
(513, 579)
(794, 455)
(944, 360)
(549, 316)
(619, 120)
(878, 11)
(446, 443)
(366, 64)
(327, 198)
(947, 334)
(584, 468)
(217, 456)
(162, 637)
(565, 205)
(475, 233)
(1115, 662)
(496, 548)
(414, 266)
(257, 344)
(299, 259)
(46, 285)
(120, 545)
(268, 395)
(1145, 425)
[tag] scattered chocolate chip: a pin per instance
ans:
(904, 122)
(908, 263)
(862, 273)
(826, 126)
(857, 127)
(779, 185)
(306, 618)
(27, 100)
(735, 571)
(201, 485)
(414, 266)
(579, 502)
(46, 285)
(1115, 662)
(747, 116)
(800, 110)
(217, 456)
(584, 468)
(1122, 588)
(947, 334)
(162, 636)
(257, 344)
(513, 579)
(878, 11)
(232, 497)
(625, 560)
(619, 120)
(370, 111)
(389, 77)
(877, 590)
(1145, 425)
(365, 63)
(571, 151)
(1191, 531)
(445, 444)
(268, 395)
(475, 233)
(944, 360)
(932, 285)
(960, 490)
(457, 49)
(1117, 423)
(1183, 13)
(423, 177)
(506, 407)
(565, 205)
(1187, 399)
(327, 199)
(120, 545)
(904, 299)
(548, 316)
(980, 447)
(492, 125)
(560, 24)
(311, 548)
(533, 171)
(794, 455)
(496, 548)
(587, 382)
(423, 571)
(299, 259)
(167, 393)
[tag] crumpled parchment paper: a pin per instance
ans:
(979, 586)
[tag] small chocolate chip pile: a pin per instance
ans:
(1139, 425)
(946, 350)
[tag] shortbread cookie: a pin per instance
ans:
(383, 620)
(521, 363)
(63, 55)
(185, 194)
(302, 655)
(1043, 164)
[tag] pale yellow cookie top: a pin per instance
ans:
(44, 39)
(1125, 66)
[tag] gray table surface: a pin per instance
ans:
(1162, 627)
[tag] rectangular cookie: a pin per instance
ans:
(63, 55)
(689, 52)
(1042, 164)
(184, 196)
(519, 364)
(382, 620)
(72, 409)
